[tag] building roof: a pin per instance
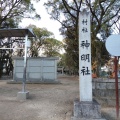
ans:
(15, 32)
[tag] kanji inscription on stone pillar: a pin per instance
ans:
(85, 73)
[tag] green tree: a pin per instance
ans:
(36, 43)
(12, 11)
(62, 61)
(104, 14)
(44, 43)
(52, 47)
(41, 34)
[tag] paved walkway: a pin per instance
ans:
(46, 102)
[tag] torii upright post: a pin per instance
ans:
(85, 108)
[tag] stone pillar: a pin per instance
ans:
(85, 73)
(86, 108)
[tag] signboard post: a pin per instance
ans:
(113, 47)
(116, 86)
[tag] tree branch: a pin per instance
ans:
(67, 6)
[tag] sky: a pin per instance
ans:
(45, 21)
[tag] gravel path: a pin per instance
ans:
(46, 102)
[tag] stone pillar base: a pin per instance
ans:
(86, 110)
(74, 118)
(22, 95)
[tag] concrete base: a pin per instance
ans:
(74, 118)
(34, 82)
(22, 95)
(86, 110)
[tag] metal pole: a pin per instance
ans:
(116, 86)
(25, 64)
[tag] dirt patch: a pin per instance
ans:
(46, 101)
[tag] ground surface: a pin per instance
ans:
(46, 102)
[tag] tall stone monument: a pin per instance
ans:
(85, 108)
(85, 78)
